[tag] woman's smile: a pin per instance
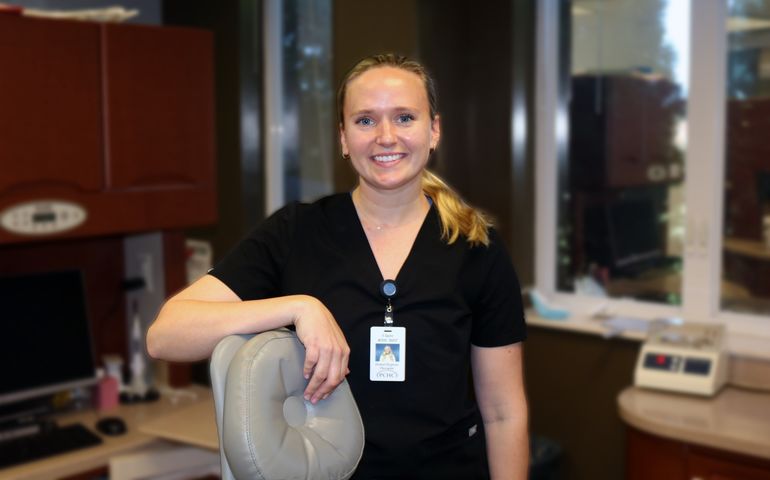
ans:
(388, 159)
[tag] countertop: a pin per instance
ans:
(147, 425)
(735, 420)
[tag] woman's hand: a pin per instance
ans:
(326, 350)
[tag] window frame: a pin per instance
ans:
(704, 180)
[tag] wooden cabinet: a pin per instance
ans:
(50, 105)
(649, 456)
(747, 170)
(157, 111)
(706, 466)
(116, 119)
(622, 127)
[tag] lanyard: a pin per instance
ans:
(388, 290)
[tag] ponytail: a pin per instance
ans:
(457, 217)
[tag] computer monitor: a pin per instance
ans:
(623, 231)
(635, 232)
(45, 335)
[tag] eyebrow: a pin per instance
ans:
(367, 111)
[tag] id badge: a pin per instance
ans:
(387, 354)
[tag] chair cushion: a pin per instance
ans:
(270, 432)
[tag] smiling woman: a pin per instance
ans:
(456, 308)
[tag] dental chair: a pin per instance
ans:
(266, 429)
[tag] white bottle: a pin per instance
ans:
(138, 382)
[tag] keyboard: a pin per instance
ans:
(50, 441)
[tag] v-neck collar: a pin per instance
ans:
(362, 251)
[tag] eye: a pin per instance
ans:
(405, 118)
(365, 122)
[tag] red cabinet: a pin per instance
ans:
(622, 129)
(706, 466)
(158, 107)
(649, 456)
(747, 169)
(50, 105)
(115, 119)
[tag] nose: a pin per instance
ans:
(385, 134)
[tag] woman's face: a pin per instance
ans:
(387, 129)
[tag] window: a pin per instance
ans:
(299, 101)
(746, 244)
(653, 177)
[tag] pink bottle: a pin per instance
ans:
(106, 392)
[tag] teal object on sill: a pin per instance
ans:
(544, 309)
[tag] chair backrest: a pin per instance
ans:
(266, 428)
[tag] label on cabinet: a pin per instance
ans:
(42, 217)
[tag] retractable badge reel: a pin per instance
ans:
(388, 290)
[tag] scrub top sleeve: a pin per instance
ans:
(498, 313)
(253, 269)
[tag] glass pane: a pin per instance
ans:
(308, 99)
(746, 246)
(621, 198)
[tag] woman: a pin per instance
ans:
(387, 355)
(320, 268)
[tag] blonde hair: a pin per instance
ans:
(457, 217)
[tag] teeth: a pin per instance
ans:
(387, 158)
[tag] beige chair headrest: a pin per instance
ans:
(267, 430)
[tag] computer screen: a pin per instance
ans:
(45, 335)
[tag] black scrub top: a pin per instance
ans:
(449, 297)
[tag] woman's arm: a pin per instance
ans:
(499, 385)
(193, 321)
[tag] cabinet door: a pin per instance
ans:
(159, 107)
(159, 114)
(50, 101)
(704, 466)
(649, 457)
(641, 124)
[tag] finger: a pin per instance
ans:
(344, 370)
(332, 380)
(311, 359)
(320, 373)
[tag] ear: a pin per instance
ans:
(343, 142)
(435, 131)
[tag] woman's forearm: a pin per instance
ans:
(499, 386)
(192, 322)
(188, 330)
(507, 449)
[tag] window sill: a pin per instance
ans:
(739, 345)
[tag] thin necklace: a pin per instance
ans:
(373, 226)
(385, 226)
